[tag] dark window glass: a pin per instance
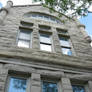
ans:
(77, 88)
(62, 31)
(17, 85)
(49, 87)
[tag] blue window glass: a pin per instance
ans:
(77, 88)
(66, 51)
(17, 85)
(49, 87)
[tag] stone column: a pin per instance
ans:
(55, 42)
(66, 85)
(5, 10)
(35, 38)
(35, 83)
(90, 86)
(86, 36)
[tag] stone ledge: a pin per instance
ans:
(49, 58)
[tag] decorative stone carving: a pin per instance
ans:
(86, 36)
(4, 11)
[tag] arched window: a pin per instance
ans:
(42, 16)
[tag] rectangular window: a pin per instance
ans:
(35, 1)
(62, 31)
(17, 84)
(24, 38)
(78, 88)
(49, 87)
(66, 51)
(26, 24)
(65, 45)
(64, 41)
(45, 42)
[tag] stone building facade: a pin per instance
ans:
(40, 52)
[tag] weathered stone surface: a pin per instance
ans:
(34, 63)
(66, 85)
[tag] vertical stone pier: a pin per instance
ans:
(86, 36)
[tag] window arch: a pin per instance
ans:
(42, 16)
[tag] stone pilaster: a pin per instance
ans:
(3, 76)
(66, 85)
(56, 44)
(90, 86)
(35, 83)
(35, 38)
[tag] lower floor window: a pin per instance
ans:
(77, 88)
(17, 84)
(49, 87)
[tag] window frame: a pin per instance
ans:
(45, 17)
(20, 76)
(49, 44)
(37, 1)
(65, 47)
(83, 83)
(30, 40)
(51, 80)
(80, 86)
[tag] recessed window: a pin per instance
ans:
(17, 84)
(24, 38)
(78, 88)
(36, 1)
(65, 45)
(44, 27)
(26, 24)
(62, 31)
(45, 42)
(49, 87)
(42, 16)
(64, 41)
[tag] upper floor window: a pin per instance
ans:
(26, 24)
(36, 1)
(24, 38)
(64, 41)
(49, 87)
(42, 16)
(62, 31)
(65, 45)
(17, 84)
(45, 42)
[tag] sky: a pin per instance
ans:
(87, 21)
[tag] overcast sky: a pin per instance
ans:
(85, 20)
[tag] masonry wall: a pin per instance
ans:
(36, 63)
